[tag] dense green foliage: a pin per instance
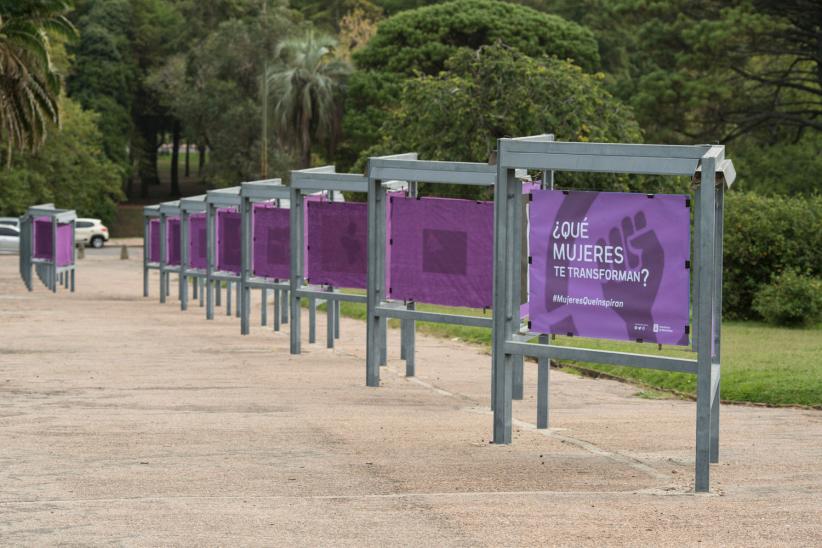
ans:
(765, 236)
(70, 170)
(480, 99)
(790, 299)
(422, 40)
(29, 80)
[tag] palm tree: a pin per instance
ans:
(29, 83)
(305, 80)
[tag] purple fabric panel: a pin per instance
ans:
(154, 240)
(610, 265)
(442, 251)
(337, 239)
(229, 240)
(42, 239)
(197, 240)
(173, 241)
(271, 256)
(65, 245)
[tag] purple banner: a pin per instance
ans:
(43, 242)
(229, 240)
(197, 240)
(154, 240)
(442, 251)
(336, 250)
(173, 241)
(271, 257)
(610, 265)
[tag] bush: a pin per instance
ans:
(790, 299)
(765, 236)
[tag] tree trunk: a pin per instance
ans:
(175, 160)
(188, 146)
(305, 141)
(147, 166)
(202, 152)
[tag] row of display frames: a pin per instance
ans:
(47, 247)
(511, 336)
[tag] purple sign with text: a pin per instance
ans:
(610, 265)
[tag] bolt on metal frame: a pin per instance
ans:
(712, 172)
(48, 271)
(323, 179)
(167, 209)
(149, 213)
(251, 192)
(188, 206)
(406, 167)
(215, 199)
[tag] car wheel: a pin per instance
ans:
(97, 242)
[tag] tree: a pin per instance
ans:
(29, 83)
(420, 41)
(499, 92)
(70, 169)
(307, 80)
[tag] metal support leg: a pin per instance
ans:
(218, 295)
(183, 290)
(410, 336)
(200, 289)
(72, 280)
(383, 326)
(518, 377)
(312, 320)
(239, 306)
(285, 306)
(244, 292)
(145, 282)
(337, 306)
(227, 298)
(264, 307)
(276, 309)
(329, 314)
(195, 287)
(543, 380)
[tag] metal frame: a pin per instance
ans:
(250, 193)
(712, 172)
(215, 199)
(405, 167)
(167, 209)
(315, 180)
(189, 205)
(149, 213)
(48, 271)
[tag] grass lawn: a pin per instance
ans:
(760, 363)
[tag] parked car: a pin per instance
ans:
(9, 239)
(10, 221)
(90, 232)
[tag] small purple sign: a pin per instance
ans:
(154, 240)
(229, 240)
(610, 265)
(442, 251)
(271, 254)
(197, 240)
(173, 241)
(337, 239)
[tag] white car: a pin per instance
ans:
(9, 239)
(90, 232)
(10, 221)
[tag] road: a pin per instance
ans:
(123, 421)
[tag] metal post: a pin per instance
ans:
(337, 308)
(238, 287)
(505, 199)
(372, 359)
(209, 286)
(297, 226)
(163, 251)
(717, 320)
(329, 314)
(200, 283)
(54, 254)
(194, 287)
(184, 219)
(543, 380)
(704, 331)
(245, 266)
(517, 377)
(379, 252)
(410, 358)
(312, 320)
(146, 243)
(227, 297)
(264, 306)
(285, 306)
(277, 310)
